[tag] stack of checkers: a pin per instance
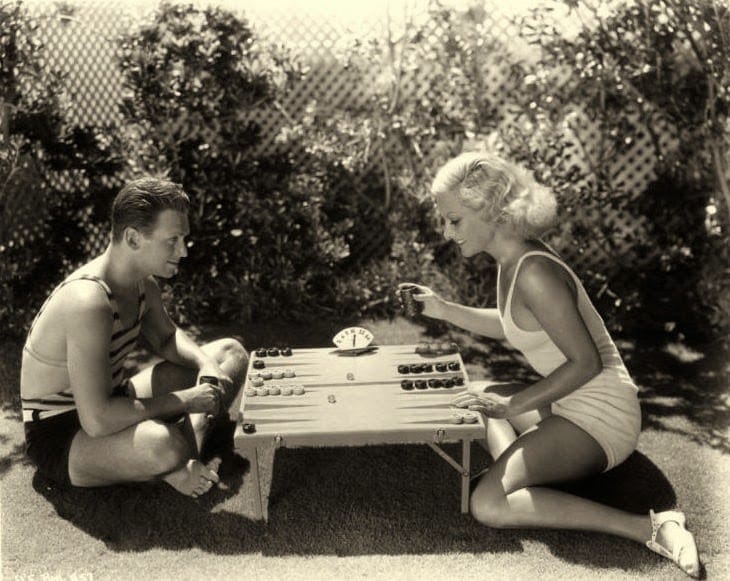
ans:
(273, 352)
(257, 384)
(463, 418)
(443, 348)
(274, 389)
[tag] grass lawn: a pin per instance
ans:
(381, 512)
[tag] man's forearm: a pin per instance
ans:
(181, 349)
(119, 413)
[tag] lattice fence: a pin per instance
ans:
(80, 40)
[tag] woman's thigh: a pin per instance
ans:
(555, 451)
(522, 422)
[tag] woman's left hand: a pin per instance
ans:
(490, 404)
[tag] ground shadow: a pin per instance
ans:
(682, 381)
(385, 500)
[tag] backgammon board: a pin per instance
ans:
(389, 394)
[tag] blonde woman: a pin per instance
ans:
(582, 417)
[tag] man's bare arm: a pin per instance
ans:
(88, 324)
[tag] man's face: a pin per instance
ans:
(162, 249)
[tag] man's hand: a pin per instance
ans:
(203, 399)
(211, 369)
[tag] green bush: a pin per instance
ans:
(264, 239)
(640, 69)
(425, 97)
(55, 179)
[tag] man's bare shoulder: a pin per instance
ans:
(82, 298)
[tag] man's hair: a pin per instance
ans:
(138, 204)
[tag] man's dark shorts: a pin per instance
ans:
(48, 443)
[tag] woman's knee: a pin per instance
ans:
(162, 447)
(488, 505)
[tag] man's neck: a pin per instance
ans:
(120, 271)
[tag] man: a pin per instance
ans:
(85, 423)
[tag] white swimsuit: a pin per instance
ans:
(606, 407)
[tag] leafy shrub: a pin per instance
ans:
(54, 178)
(263, 240)
(635, 70)
(425, 96)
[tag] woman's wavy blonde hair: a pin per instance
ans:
(500, 190)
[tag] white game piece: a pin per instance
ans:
(249, 392)
(298, 390)
(470, 418)
(456, 419)
(289, 372)
(277, 374)
(286, 390)
(257, 382)
(262, 391)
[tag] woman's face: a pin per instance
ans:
(464, 225)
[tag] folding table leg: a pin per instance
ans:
(258, 506)
(465, 475)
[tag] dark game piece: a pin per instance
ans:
(421, 384)
(259, 364)
(415, 368)
(426, 367)
(272, 352)
(448, 382)
(404, 369)
(410, 305)
(261, 352)
(458, 380)
(286, 351)
(406, 384)
(249, 428)
(454, 366)
(435, 383)
(441, 366)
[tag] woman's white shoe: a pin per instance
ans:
(684, 549)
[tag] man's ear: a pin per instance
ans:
(131, 237)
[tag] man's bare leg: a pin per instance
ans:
(143, 452)
(166, 377)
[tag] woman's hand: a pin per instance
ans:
(490, 402)
(433, 304)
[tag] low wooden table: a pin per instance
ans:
(352, 401)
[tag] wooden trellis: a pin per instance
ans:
(80, 39)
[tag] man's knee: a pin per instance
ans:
(162, 446)
(230, 349)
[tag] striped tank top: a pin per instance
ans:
(54, 372)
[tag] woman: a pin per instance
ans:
(582, 417)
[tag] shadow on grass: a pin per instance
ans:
(678, 381)
(384, 500)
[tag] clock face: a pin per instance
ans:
(352, 338)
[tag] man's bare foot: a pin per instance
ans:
(195, 478)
